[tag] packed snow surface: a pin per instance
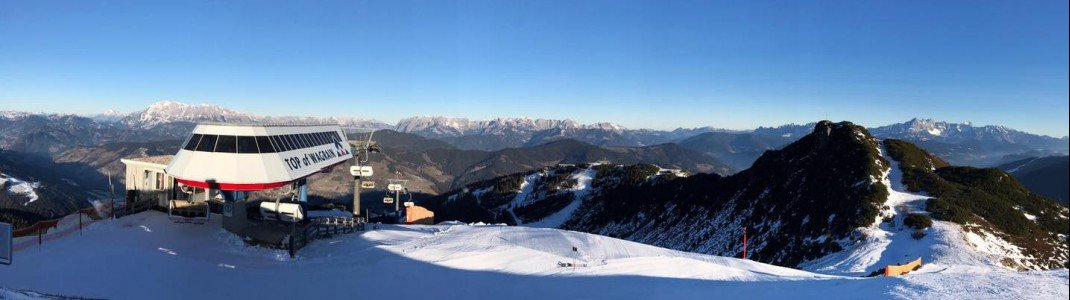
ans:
(146, 256)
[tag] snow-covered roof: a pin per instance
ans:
(161, 160)
(256, 156)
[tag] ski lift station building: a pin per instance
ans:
(224, 161)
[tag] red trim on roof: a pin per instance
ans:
(234, 186)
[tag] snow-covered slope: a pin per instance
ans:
(792, 202)
(147, 256)
(543, 251)
(13, 185)
(888, 241)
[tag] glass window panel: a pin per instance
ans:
(323, 138)
(292, 142)
(279, 144)
(226, 144)
(207, 143)
(264, 144)
(247, 144)
(192, 143)
(303, 138)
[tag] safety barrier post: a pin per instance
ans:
(744, 242)
(79, 224)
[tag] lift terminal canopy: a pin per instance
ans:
(249, 157)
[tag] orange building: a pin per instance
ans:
(896, 270)
(419, 215)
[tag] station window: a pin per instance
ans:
(299, 141)
(321, 138)
(207, 143)
(264, 144)
(292, 142)
(279, 143)
(192, 143)
(259, 144)
(226, 144)
(305, 143)
(288, 142)
(247, 144)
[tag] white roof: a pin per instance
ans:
(159, 161)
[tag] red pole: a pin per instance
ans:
(744, 242)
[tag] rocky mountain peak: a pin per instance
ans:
(108, 116)
(167, 111)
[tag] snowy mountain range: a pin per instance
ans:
(961, 143)
(440, 127)
(929, 129)
(169, 112)
(165, 112)
(966, 144)
(501, 133)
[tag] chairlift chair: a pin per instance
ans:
(188, 211)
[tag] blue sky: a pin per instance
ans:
(731, 64)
